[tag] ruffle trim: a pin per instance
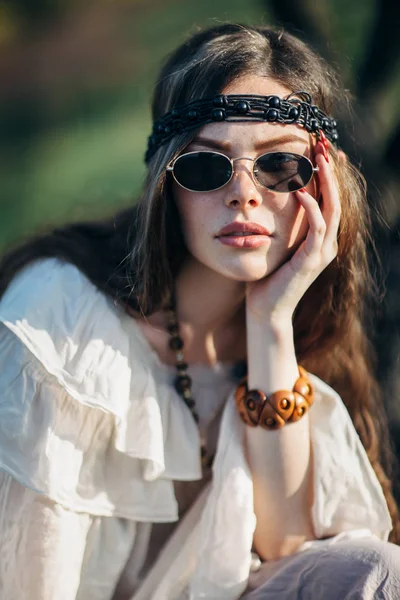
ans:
(79, 348)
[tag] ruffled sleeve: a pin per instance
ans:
(82, 418)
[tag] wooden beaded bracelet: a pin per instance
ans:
(280, 408)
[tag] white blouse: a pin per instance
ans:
(93, 438)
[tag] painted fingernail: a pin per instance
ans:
(303, 190)
(323, 151)
(324, 139)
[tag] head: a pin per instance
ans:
(204, 214)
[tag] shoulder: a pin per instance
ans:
(46, 287)
(66, 349)
(73, 329)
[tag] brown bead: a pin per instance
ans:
(254, 402)
(301, 407)
(240, 398)
(173, 329)
(269, 418)
(304, 386)
(183, 383)
(283, 403)
(182, 366)
(176, 343)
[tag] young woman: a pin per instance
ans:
(137, 462)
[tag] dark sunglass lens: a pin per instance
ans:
(202, 171)
(283, 171)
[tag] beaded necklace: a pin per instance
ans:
(183, 381)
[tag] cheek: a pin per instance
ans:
(299, 228)
(193, 214)
(292, 222)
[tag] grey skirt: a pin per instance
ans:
(366, 569)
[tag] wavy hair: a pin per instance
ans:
(136, 256)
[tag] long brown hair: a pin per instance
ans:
(135, 256)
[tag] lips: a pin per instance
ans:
(245, 228)
(244, 235)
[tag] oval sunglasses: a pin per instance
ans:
(207, 171)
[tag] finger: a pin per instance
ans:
(317, 226)
(330, 206)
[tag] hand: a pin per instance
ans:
(275, 297)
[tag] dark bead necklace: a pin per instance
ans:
(183, 381)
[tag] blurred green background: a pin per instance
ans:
(76, 79)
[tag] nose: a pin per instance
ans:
(242, 190)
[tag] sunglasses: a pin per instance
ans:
(207, 171)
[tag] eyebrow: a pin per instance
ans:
(226, 146)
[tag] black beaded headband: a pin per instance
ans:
(296, 109)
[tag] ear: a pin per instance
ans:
(342, 156)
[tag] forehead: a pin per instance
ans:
(253, 132)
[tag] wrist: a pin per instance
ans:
(275, 324)
(271, 356)
(270, 331)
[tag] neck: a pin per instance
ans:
(209, 309)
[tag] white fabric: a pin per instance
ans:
(349, 569)
(48, 574)
(89, 421)
(176, 563)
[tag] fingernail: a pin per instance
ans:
(325, 153)
(303, 190)
(324, 139)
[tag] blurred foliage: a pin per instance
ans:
(74, 100)
(76, 82)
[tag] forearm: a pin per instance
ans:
(280, 461)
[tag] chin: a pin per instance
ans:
(246, 268)
(245, 271)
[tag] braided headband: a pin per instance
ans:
(296, 109)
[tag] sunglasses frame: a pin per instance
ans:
(171, 165)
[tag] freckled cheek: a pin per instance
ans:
(195, 223)
(293, 223)
(299, 229)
